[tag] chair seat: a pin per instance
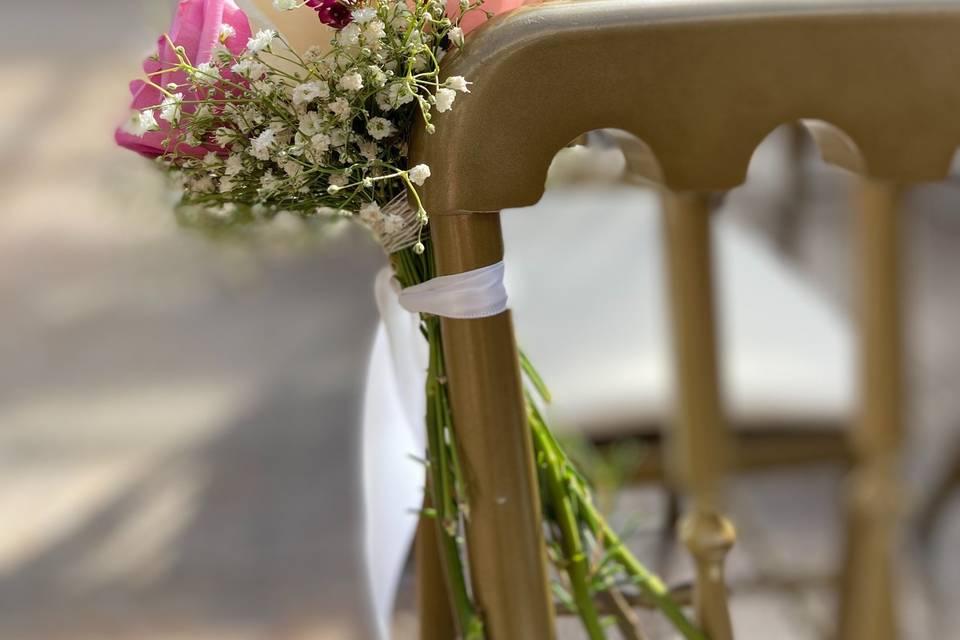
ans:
(586, 278)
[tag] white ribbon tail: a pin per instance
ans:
(393, 433)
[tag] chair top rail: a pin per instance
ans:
(701, 82)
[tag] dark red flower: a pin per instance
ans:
(332, 12)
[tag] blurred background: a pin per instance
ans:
(179, 417)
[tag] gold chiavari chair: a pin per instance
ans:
(701, 83)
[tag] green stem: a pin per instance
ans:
(647, 582)
(578, 569)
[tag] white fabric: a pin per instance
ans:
(394, 437)
(475, 294)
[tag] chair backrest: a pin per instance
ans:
(701, 83)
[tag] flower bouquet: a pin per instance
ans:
(250, 128)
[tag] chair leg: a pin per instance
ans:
(433, 603)
(867, 601)
(700, 439)
(508, 564)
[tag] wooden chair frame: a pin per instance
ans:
(701, 83)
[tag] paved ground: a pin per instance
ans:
(178, 419)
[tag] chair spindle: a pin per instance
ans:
(700, 438)
(868, 601)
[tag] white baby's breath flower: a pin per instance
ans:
(369, 149)
(392, 223)
(379, 128)
(202, 113)
(311, 123)
(458, 83)
(264, 87)
(320, 143)
(419, 174)
(226, 32)
(203, 184)
(226, 185)
(397, 95)
(300, 143)
(234, 165)
(363, 16)
(171, 108)
(445, 98)
(308, 92)
(261, 40)
(383, 101)
(370, 213)
(338, 138)
(351, 82)
(261, 145)
(251, 117)
(285, 5)
(207, 73)
(211, 159)
(268, 181)
(220, 52)
(349, 35)
(456, 36)
(249, 68)
(314, 53)
(292, 168)
(377, 77)
(374, 32)
(340, 108)
(224, 136)
(141, 122)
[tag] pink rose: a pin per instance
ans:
(476, 18)
(197, 27)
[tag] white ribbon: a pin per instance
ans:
(474, 294)
(394, 438)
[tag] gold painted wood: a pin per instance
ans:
(701, 82)
(507, 555)
(868, 599)
(700, 440)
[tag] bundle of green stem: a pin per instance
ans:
(588, 557)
